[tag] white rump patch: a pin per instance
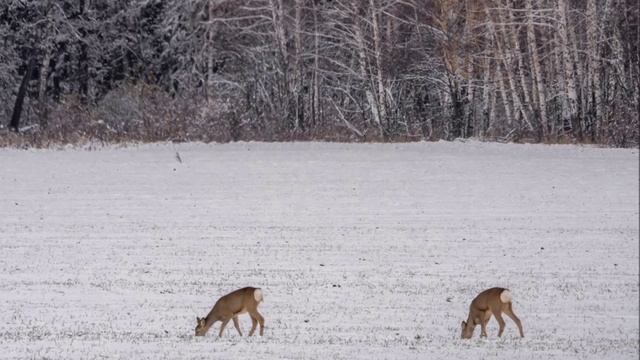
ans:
(505, 296)
(257, 294)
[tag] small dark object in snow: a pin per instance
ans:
(166, 332)
(321, 264)
(449, 299)
(337, 285)
(615, 264)
(418, 337)
(541, 247)
(306, 320)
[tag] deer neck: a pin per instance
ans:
(210, 319)
(471, 320)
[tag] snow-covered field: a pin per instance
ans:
(363, 251)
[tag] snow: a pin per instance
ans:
(362, 250)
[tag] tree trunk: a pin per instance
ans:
(579, 81)
(503, 94)
(469, 124)
(567, 66)
(499, 56)
(536, 66)
(83, 59)
(297, 68)
(505, 56)
(487, 92)
(378, 57)
(285, 103)
(515, 45)
(362, 59)
(593, 64)
(316, 68)
(42, 90)
(17, 109)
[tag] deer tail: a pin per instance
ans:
(505, 296)
(257, 294)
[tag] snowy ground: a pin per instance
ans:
(363, 251)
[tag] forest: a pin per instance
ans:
(553, 71)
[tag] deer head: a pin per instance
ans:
(201, 327)
(467, 329)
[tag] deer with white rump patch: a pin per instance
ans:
(494, 301)
(228, 307)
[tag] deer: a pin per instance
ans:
(228, 307)
(494, 301)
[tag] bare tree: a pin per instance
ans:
(551, 70)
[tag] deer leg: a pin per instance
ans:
(483, 323)
(225, 321)
(501, 322)
(483, 327)
(254, 323)
(236, 324)
(261, 321)
(512, 315)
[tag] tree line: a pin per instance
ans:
(344, 70)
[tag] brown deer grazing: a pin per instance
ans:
(492, 301)
(229, 307)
